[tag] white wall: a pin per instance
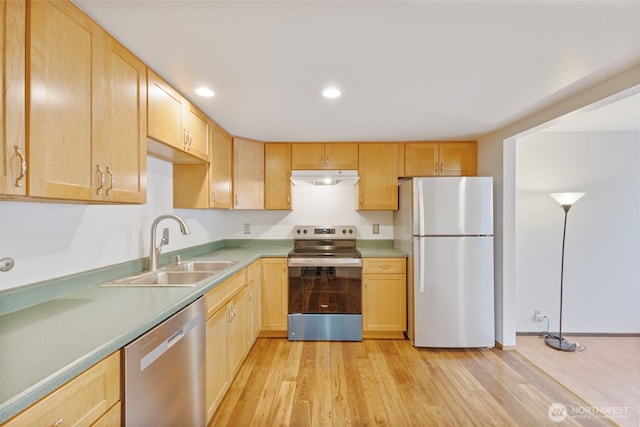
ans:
(602, 250)
(496, 158)
(49, 240)
(312, 205)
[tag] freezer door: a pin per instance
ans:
(445, 206)
(453, 292)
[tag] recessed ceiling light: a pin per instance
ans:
(203, 91)
(331, 92)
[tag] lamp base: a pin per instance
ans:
(558, 344)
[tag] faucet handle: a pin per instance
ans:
(165, 237)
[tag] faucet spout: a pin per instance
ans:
(154, 251)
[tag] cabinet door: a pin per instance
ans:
(238, 331)
(307, 156)
(64, 64)
(12, 105)
(165, 112)
(254, 273)
(384, 303)
(120, 126)
(277, 174)
(421, 159)
(274, 294)
(217, 360)
(196, 125)
(221, 189)
(458, 158)
(248, 175)
(377, 188)
(341, 156)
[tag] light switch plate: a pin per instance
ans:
(247, 229)
(376, 228)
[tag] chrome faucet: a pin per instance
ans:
(154, 252)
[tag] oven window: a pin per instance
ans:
(325, 290)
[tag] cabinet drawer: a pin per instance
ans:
(81, 401)
(221, 294)
(383, 265)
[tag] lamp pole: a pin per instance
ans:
(566, 200)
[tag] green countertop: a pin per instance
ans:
(45, 345)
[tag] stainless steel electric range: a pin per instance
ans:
(325, 284)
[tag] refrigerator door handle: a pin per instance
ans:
(421, 266)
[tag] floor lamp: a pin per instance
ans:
(566, 200)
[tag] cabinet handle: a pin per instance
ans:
(102, 180)
(213, 196)
(441, 168)
(326, 162)
(58, 422)
(236, 198)
(360, 201)
(384, 266)
(435, 170)
(365, 282)
(23, 166)
(289, 201)
(185, 138)
(112, 180)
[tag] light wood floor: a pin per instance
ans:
(389, 383)
(606, 374)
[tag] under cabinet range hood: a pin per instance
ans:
(324, 177)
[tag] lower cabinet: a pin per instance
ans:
(384, 297)
(91, 398)
(274, 297)
(229, 333)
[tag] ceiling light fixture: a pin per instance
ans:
(206, 92)
(331, 92)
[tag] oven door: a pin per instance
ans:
(325, 289)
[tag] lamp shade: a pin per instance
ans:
(566, 199)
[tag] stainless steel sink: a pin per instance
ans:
(195, 266)
(163, 278)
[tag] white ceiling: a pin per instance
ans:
(408, 70)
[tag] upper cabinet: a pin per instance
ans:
(377, 188)
(174, 121)
(13, 163)
(440, 158)
(277, 174)
(248, 174)
(221, 168)
(86, 110)
(313, 156)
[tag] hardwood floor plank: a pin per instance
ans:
(390, 383)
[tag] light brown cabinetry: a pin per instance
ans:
(274, 297)
(87, 146)
(384, 297)
(377, 188)
(314, 156)
(174, 121)
(277, 174)
(82, 401)
(229, 334)
(440, 158)
(248, 174)
(254, 320)
(221, 168)
(12, 106)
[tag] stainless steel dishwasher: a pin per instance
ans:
(164, 372)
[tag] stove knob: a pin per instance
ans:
(298, 231)
(344, 231)
(350, 231)
(304, 231)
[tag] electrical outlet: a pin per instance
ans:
(247, 229)
(538, 316)
(376, 228)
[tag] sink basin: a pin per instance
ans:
(163, 278)
(196, 266)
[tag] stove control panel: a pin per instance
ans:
(332, 232)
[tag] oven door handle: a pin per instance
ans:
(333, 262)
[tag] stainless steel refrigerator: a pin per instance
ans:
(445, 224)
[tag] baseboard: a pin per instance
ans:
(584, 334)
(505, 347)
